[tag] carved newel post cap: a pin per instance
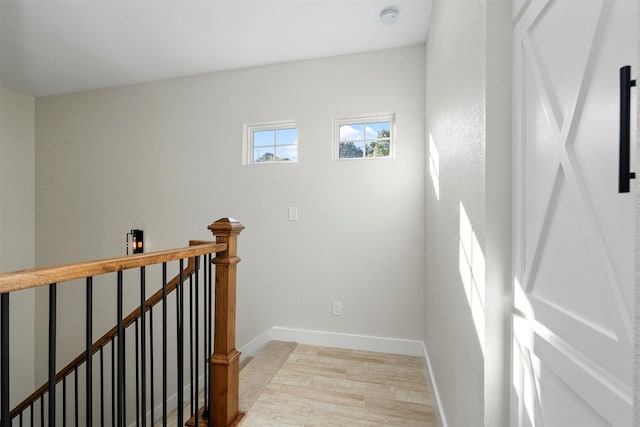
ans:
(226, 227)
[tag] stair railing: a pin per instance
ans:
(221, 370)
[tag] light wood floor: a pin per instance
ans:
(319, 386)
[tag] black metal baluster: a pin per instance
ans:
(89, 350)
(121, 353)
(209, 334)
(52, 354)
(205, 344)
(20, 419)
(77, 396)
(31, 413)
(4, 360)
(113, 382)
(137, 356)
(101, 387)
(196, 260)
(204, 331)
(180, 343)
(164, 344)
(191, 370)
(151, 418)
(143, 338)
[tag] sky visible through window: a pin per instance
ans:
(360, 132)
(359, 140)
(279, 145)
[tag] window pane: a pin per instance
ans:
(287, 153)
(369, 132)
(286, 136)
(381, 129)
(378, 148)
(364, 137)
(350, 150)
(262, 155)
(263, 138)
(351, 132)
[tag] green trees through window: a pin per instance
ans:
(366, 139)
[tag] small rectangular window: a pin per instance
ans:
(273, 142)
(364, 137)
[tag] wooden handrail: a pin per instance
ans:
(223, 363)
(24, 279)
(113, 332)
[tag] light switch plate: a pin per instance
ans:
(337, 308)
(293, 214)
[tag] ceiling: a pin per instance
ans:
(58, 46)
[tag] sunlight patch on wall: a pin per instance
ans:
(434, 166)
(472, 271)
(525, 366)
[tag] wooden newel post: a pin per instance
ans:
(225, 361)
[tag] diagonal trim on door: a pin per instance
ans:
(569, 167)
(570, 354)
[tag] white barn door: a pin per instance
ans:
(572, 315)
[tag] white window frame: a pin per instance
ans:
(363, 119)
(247, 140)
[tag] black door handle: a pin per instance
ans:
(624, 173)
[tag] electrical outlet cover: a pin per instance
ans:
(337, 308)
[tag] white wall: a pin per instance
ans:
(498, 174)
(17, 243)
(455, 117)
(467, 208)
(166, 157)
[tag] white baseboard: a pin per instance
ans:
(254, 346)
(334, 339)
(434, 387)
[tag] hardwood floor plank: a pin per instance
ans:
(320, 386)
(320, 395)
(414, 411)
(322, 371)
(374, 419)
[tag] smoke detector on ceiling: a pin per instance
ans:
(389, 15)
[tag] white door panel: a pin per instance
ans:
(572, 346)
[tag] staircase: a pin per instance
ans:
(160, 353)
